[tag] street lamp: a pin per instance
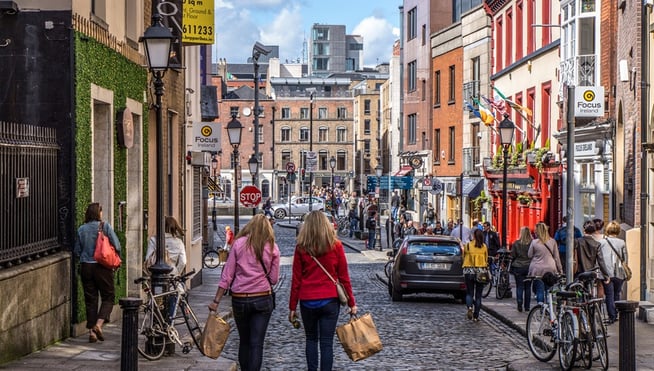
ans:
(214, 167)
(332, 164)
(253, 165)
(257, 50)
(158, 40)
(379, 169)
(506, 129)
(311, 149)
(234, 129)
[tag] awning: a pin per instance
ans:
(404, 170)
(472, 187)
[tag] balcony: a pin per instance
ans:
(471, 161)
(579, 71)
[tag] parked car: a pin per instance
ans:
(428, 264)
(299, 206)
(328, 215)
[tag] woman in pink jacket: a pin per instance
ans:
(544, 256)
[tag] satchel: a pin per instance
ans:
(482, 277)
(104, 253)
(343, 298)
(359, 337)
(625, 267)
(214, 336)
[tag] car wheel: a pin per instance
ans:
(396, 295)
(280, 214)
(460, 296)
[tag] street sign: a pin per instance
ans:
(205, 137)
(311, 162)
(396, 182)
(589, 101)
(290, 167)
(250, 196)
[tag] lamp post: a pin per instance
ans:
(214, 167)
(379, 169)
(253, 165)
(332, 164)
(257, 50)
(234, 129)
(311, 150)
(506, 129)
(157, 40)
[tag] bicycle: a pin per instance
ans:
(159, 316)
(343, 223)
(500, 278)
(214, 258)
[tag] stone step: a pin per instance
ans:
(646, 312)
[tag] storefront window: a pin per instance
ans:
(588, 205)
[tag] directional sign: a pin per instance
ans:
(290, 167)
(250, 196)
(396, 182)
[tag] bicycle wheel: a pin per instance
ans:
(192, 323)
(585, 345)
(487, 288)
(211, 259)
(344, 230)
(567, 342)
(540, 335)
(600, 348)
(151, 340)
(503, 285)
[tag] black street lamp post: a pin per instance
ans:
(214, 167)
(332, 165)
(311, 150)
(253, 165)
(257, 51)
(506, 129)
(234, 129)
(378, 171)
(157, 40)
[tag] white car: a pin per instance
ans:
(299, 206)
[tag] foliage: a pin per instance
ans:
(479, 201)
(524, 199)
(517, 155)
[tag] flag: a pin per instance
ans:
(496, 104)
(485, 114)
(499, 93)
(472, 109)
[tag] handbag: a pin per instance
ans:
(342, 294)
(104, 253)
(359, 337)
(482, 277)
(214, 336)
(625, 267)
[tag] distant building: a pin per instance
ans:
(332, 51)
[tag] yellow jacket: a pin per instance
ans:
(473, 256)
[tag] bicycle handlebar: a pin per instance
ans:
(181, 278)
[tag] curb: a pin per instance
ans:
(504, 320)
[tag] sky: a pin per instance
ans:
(287, 23)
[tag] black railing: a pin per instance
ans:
(471, 161)
(28, 192)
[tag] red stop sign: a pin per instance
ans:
(250, 196)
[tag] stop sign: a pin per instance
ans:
(250, 196)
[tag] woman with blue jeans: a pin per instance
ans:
(520, 268)
(544, 256)
(475, 260)
(251, 269)
(315, 291)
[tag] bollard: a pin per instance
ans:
(129, 340)
(627, 334)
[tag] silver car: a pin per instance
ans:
(299, 206)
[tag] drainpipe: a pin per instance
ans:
(644, 99)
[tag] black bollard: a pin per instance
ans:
(627, 334)
(129, 341)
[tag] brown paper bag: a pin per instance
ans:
(359, 337)
(214, 336)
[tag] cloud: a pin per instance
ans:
(286, 31)
(378, 37)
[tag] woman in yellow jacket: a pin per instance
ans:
(475, 260)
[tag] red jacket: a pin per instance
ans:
(311, 283)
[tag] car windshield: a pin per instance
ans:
(432, 248)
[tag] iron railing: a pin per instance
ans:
(471, 161)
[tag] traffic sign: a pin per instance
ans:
(290, 167)
(395, 182)
(250, 196)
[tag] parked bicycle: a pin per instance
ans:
(343, 223)
(214, 258)
(161, 313)
(499, 267)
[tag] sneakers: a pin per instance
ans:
(469, 314)
(476, 319)
(519, 307)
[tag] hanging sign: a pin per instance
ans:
(589, 101)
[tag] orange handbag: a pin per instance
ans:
(105, 254)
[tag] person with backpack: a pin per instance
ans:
(560, 237)
(429, 215)
(371, 224)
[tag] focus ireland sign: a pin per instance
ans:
(589, 101)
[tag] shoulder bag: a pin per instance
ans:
(625, 267)
(482, 275)
(104, 253)
(342, 294)
(272, 290)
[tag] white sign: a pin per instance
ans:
(206, 137)
(311, 163)
(589, 101)
(586, 149)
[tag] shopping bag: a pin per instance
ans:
(359, 337)
(214, 336)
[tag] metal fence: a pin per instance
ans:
(28, 193)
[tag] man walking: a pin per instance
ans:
(491, 239)
(561, 236)
(395, 205)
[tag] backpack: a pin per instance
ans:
(370, 223)
(430, 213)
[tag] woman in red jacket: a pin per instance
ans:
(319, 304)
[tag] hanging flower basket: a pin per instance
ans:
(524, 199)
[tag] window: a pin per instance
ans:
(321, 64)
(321, 33)
(322, 113)
(509, 37)
(518, 30)
(341, 113)
(437, 88)
(286, 158)
(341, 160)
(366, 126)
(546, 18)
(412, 24)
(452, 87)
(320, 49)
(437, 146)
(197, 202)
(499, 51)
(412, 124)
(322, 160)
(341, 135)
(531, 16)
(304, 113)
(424, 34)
(424, 89)
(233, 111)
(452, 146)
(587, 204)
(133, 22)
(587, 176)
(260, 134)
(412, 78)
(286, 113)
(366, 107)
(366, 146)
(286, 134)
(323, 134)
(304, 134)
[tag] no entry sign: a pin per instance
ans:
(250, 196)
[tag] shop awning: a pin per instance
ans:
(404, 170)
(472, 187)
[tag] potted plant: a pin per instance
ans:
(479, 201)
(524, 199)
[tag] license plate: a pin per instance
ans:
(434, 266)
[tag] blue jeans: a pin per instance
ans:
(394, 212)
(539, 289)
(371, 239)
(320, 325)
(354, 225)
(251, 316)
(522, 288)
(473, 293)
(612, 291)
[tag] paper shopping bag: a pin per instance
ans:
(359, 337)
(214, 336)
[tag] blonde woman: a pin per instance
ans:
(252, 268)
(475, 260)
(315, 291)
(612, 252)
(520, 268)
(544, 256)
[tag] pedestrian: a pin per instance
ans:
(409, 229)
(475, 260)
(423, 228)
(544, 259)
(429, 215)
(561, 236)
(462, 232)
(315, 291)
(371, 225)
(229, 238)
(267, 208)
(395, 205)
(449, 227)
(175, 253)
(251, 270)
(520, 268)
(612, 252)
(354, 221)
(429, 231)
(491, 239)
(97, 281)
(438, 229)
(587, 250)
